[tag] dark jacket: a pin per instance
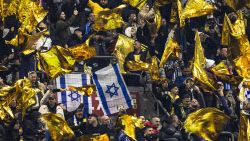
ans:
(62, 30)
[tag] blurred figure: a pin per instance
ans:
(62, 28)
(78, 125)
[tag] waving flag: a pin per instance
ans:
(111, 89)
(72, 99)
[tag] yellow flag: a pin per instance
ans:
(170, 46)
(129, 124)
(196, 8)
(227, 25)
(206, 123)
(17, 40)
(137, 66)
(96, 8)
(221, 70)
(154, 69)
(123, 47)
(82, 52)
(159, 3)
(198, 66)
(56, 61)
(58, 127)
(30, 13)
(136, 3)
(103, 137)
(232, 3)
(84, 90)
(199, 57)
(244, 132)
(176, 10)
(109, 19)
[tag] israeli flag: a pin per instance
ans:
(72, 99)
(111, 89)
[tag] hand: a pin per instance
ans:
(11, 56)
(197, 89)
(75, 12)
(12, 29)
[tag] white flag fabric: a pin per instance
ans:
(111, 89)
(72, 99)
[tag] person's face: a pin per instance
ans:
(156, 122)
(79, 114)
(78, 34)
(13, 103)
(137, 45)
(165, 84)
(195, 103)
(103, 2)
(42, 26)
(149, 131)
(91, 17)
(92, 119)
(163, 22)
(32, 77)
(143, 118)
(62, 16)
(105, 120)
(186, 71)
(186, 102)
(52, 101)
(189, 84)
(224, 52)
(175, 90)
(133, 17)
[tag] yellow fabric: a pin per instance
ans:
(96, 8)
(232, 3)
(17, 40)
(244, 132)
(206, 123)
(196, 8)
(109, 19)
(129, 124)
(198, 66)
(32, 39)
(242, 65)
(123, 47)
(154, 69)
(136, 3)
(159, 3)
(227, 25)
(56, 61)
(137, 66)
(171, 46)
(82, 52)
(221, 70)
(30, 13)
(84, 90)
(158, 18)
(103, 137)
(58, 127)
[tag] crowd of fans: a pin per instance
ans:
(176, 95)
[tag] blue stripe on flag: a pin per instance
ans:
(85, 98)
(102, 96)
(63, 94)
(121, 83)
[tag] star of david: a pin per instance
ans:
(112, 90)
(74, 95)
